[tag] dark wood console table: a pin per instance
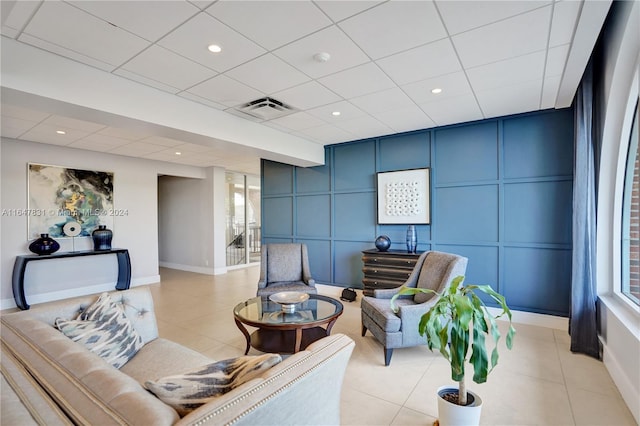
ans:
(19, 268)
(386, 269)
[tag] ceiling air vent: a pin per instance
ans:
(266, 108)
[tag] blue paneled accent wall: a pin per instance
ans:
(501, 195)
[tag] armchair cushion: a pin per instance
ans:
(284, 263)
(380, 311)
(434, 269)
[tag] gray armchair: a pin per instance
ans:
(285, 267)
(433, 270)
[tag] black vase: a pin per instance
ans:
(102, 238)
(44, 245)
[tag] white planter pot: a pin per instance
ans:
(450, 414)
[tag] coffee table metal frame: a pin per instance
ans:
(285, 337)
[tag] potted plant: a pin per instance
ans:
(459, 320)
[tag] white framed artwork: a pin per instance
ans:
(404, 197)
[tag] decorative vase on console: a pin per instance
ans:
(44, 245)
(102, 238)
(412, 239)
(383, 243)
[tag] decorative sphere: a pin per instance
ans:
(383, 243)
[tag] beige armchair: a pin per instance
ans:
(433, 270)
(285, 267)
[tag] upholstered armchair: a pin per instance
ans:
(285, 267)
(433, 270)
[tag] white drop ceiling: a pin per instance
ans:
(490, 58)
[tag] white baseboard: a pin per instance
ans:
(629, 393)
(541, 320)
(75, 292)
(197, 269)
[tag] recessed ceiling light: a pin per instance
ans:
(61, 132)
(214, 48)
(436, 90)
(322, 57)
(335, 113)
(178, 153)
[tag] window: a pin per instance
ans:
(631, 217)
(242, 200)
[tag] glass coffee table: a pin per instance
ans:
(282, 332)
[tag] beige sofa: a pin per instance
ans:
(49, 379)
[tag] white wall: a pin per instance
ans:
(135, 189)
(192, 216)
(620, 322)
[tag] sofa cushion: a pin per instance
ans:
(433, 270)
(188, 391)
(104, 329)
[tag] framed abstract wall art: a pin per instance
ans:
(404, 197)
(59, 196)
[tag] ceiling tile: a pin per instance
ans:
(201, 100)
(328, 134)
(422, 62)
(452, 85)
(98, 40)
(550, 92)
(298, 121)
(509, 72)
(92, 146)
(268, 74)
(460, 16)
(505, 39)
(347, 112)
(458, 109)
(192, 148)
(13, 127)
(271, 24)
(394, 26)
(385, 100)
(307, 95)
(67, 123)
(162, 141)
(46, 133)
(192, 39)
(364, 126)
(339, 10)
(344, 53)
(136, 148)
(405, 119)
(102, 140)
(122, 133)
(358, 81)
(508, 100)
(23, 113)
(15, 14)
(563, 25)
(166, 67)
(556, 59)
(226, 91)
(149, 19)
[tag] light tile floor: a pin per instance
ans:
(539, 382)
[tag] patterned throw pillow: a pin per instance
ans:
(188, 391)
(104, 329)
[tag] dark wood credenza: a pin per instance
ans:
(386, 269)
(20, 267)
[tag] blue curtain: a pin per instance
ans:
(583, 319)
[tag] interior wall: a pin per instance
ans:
(501, 194)
(135, 190)
(191, 222)
(619, 83)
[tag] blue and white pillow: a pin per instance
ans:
(188, 391)
(104, 329)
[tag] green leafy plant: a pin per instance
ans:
(449, 324)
